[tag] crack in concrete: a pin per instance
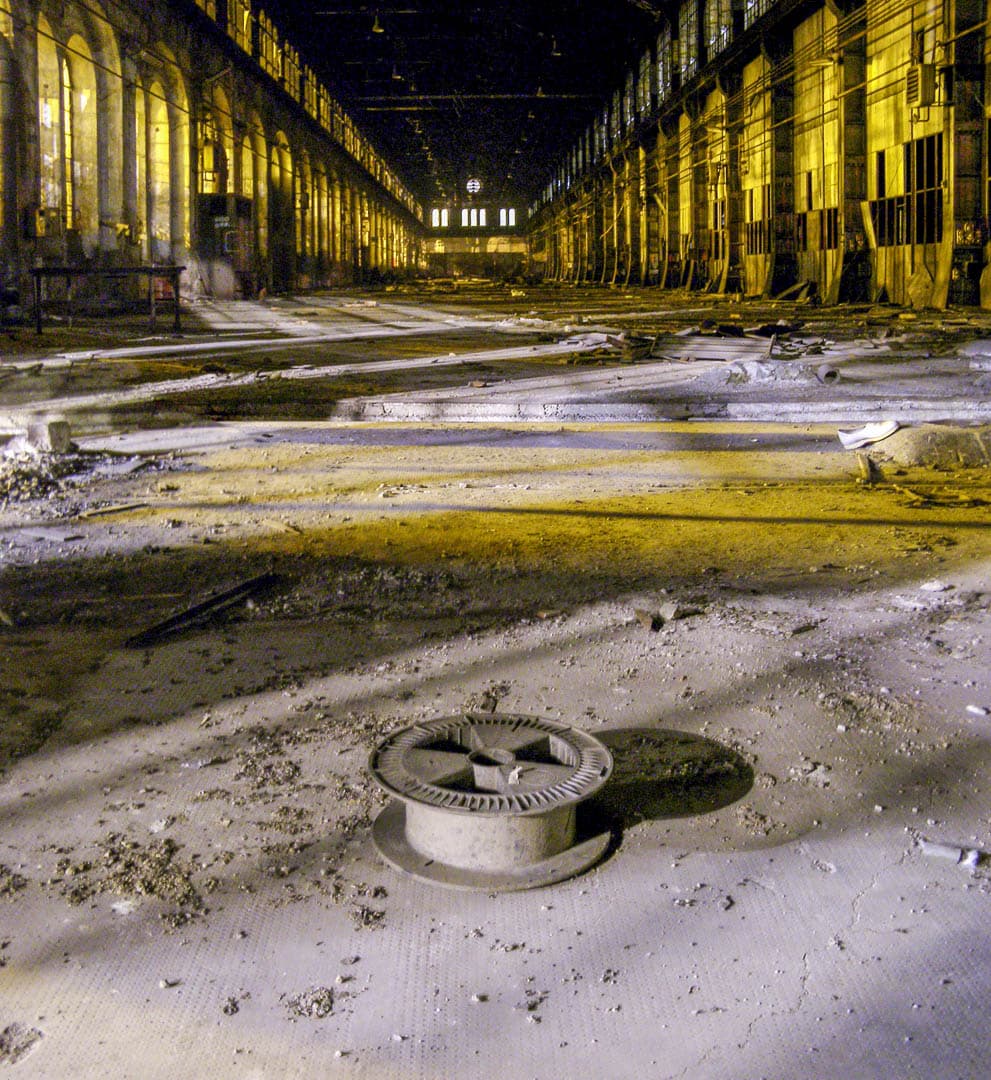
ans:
(858, 899)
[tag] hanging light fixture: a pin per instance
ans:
(377, 26)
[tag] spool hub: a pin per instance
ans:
(489, 802)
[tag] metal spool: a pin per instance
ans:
(489, 802)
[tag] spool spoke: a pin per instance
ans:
(440, 767)
(523, 741)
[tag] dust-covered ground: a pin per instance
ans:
(784, 645)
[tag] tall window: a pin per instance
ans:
(326, 110)
(269, 53)
(688, 38)
(311, 92)
(629, 99)
(239, 23)
(644, 85)
(50, 110)
(664, 64)
(290, 70)
(70, 188)
(753, 9)
(718, 26)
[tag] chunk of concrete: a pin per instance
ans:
(50, 436)
(42, 437)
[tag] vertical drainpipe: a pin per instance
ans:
(857, 270)
(335, 223)
(698, 163)
(673, 184)
(581, 271)
(9, 147)
(659, 196)
(615, 223)
(183, 171)
(555, 258)
(603, 229)
(109, 188)
(662, 238)
(579, 236)
(643, 228)
(129, 149)
(575, 234)
(964, 127)
(628, 216)
(731, 84)
(348, 238)
(784, 265)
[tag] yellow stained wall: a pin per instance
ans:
(755, 176)
(685, 199)
(716, 147)
(893, 30)
(817, 140)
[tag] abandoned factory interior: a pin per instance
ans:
(495, 573)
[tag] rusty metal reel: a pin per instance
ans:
(489, 802)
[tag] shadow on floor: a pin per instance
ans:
(659, 773)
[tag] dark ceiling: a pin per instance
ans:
(449, 91)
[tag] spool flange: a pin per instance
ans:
(489, 802)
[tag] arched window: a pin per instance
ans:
(80, 157)
(67, 148)
(239, 23)
(159, 173)
(50, 129)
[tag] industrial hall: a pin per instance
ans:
(495, 574)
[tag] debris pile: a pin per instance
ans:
(312, 1004)
(28, 475)
(941, 447)
(128, 869)
(10, 881)
(16, 1042)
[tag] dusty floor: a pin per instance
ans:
(187, 881)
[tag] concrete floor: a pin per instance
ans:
(187, 881)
